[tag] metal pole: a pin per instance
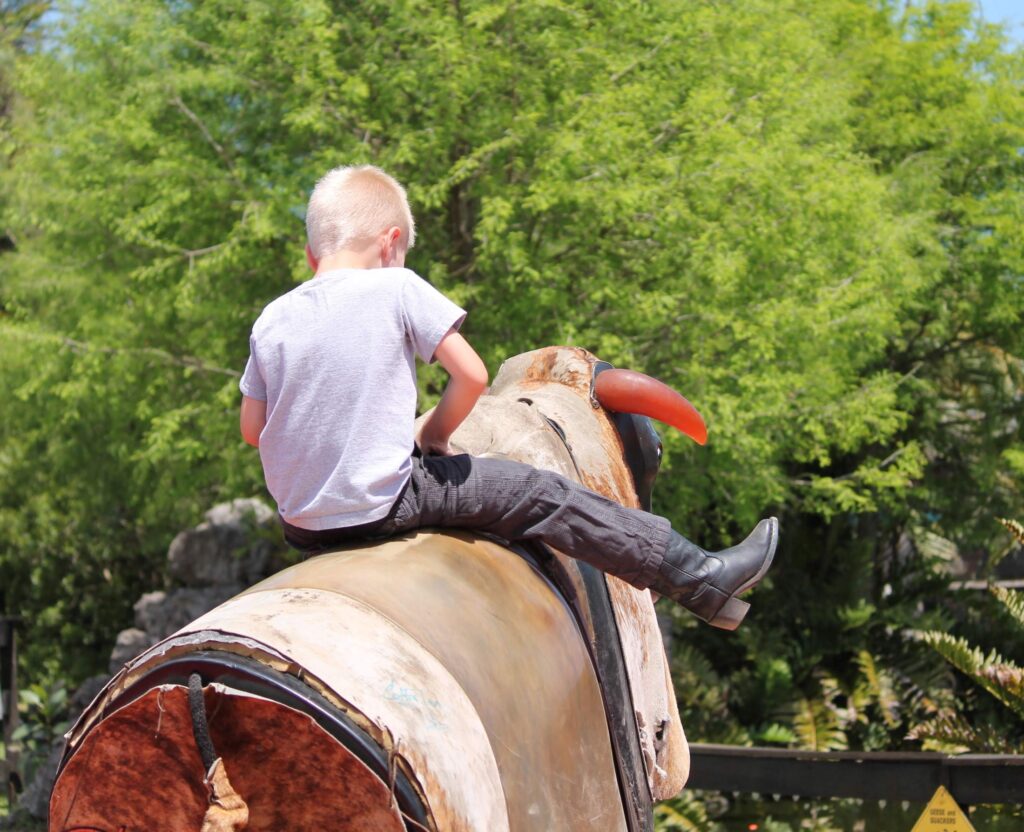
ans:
(9, 693)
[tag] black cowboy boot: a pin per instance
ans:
(708, 583)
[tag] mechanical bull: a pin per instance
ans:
(430, 682)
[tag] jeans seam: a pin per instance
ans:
(655, 554)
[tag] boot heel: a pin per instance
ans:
(731, 615)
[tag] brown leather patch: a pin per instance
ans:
(139, 769)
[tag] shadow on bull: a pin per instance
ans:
(434, 681)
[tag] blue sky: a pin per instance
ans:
(1010, 12)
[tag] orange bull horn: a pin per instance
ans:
(627, 391)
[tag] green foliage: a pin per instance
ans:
(816, 664)
(1002, 678)
(999, 676)
(1013, 602)
(703, 698)
(685, 813)
(931, 103)
(816, 723)
(804, 215)
(877, 686)
(43, 720)
(1014, 528)
(951, 732)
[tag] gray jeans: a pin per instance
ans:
(515, 502)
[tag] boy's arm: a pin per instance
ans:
(468, 382)
(251, 420)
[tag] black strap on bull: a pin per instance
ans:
(605, 651)
(200, 725)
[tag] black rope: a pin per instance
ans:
(200, 727)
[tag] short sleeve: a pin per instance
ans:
(252, 383)
(429, 316)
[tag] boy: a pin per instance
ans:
(329, 398)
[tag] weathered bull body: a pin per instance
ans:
(438, 681)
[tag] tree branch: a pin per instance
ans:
(642, 59)
(77, 346)
(852, 475)
(198, 122)
(193, 253)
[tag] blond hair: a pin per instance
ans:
(350, 206)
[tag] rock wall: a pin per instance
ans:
(237, 545)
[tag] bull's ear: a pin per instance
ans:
(627, 391)
(641, 447)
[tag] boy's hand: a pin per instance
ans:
(436, 448)
(430, 444)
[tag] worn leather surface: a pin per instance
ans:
(552, 386)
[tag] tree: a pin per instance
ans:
(799, 214)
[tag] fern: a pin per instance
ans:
(1012, 601)
(702, 697)
(776, 734)
(925, 686)
(949, 732)
(1015, 528)
(684, 813)
(991, 671)
(1000, 677)
(817, 726)
(880, 688)
(1009, 679)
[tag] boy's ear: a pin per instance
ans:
(314, 264)
(391, 246)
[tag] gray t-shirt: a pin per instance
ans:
(335, 361)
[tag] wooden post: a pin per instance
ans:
(9, 701)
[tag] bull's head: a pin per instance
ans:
(564, 410)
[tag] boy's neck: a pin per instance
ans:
(373, 256)
(348, 260)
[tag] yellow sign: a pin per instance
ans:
(942, 813)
